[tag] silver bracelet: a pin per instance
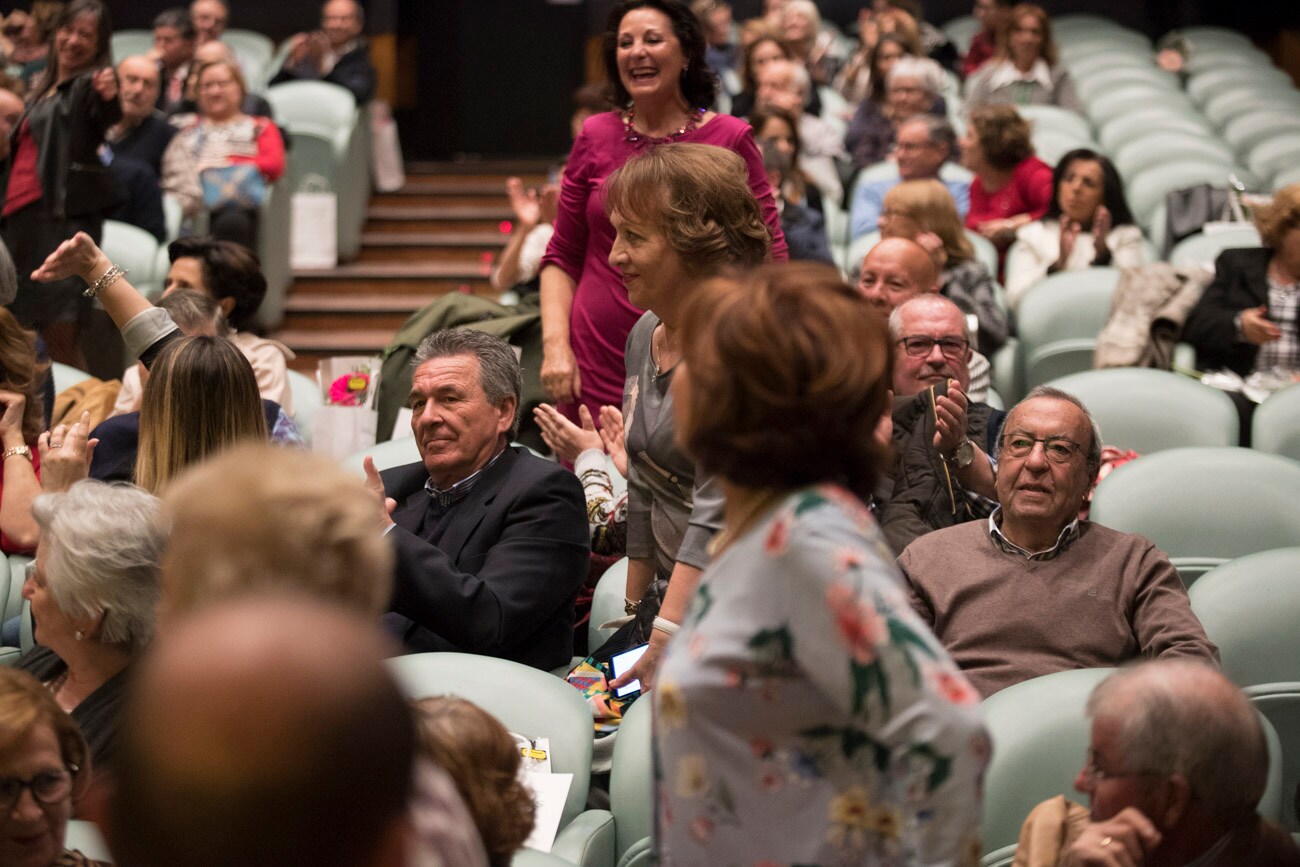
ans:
(107, 279)
(667, 627)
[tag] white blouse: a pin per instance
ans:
(1038, 245)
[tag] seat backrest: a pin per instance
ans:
(128, 43)
(1204, 502)
(1274, 155)
(1210, 82)
(1130, 98)
(312, 102)
(1116, 132)
(1040, 742)
(306, 400)
(1061, 316)
(1202, 249)
(607, 603)
(66, 376)
(1249, 608)
(1276, 426)
(1134, 406)
(525, 700)
(1245, 131)
(394, 453)
(134, 249)
(1285, 178)
(1228, 104)
(631, 782)
(1166, 146)
(1120, 76)
(1055, 117)
(1279, 703)
(86, 838)
(250, 43)
(1148, 189)
(1050, 144)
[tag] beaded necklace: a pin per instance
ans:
(631, 134)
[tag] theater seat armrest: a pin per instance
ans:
(588, 840)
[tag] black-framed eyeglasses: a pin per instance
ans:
(951, 347)
(1059, 450)
(48, 787)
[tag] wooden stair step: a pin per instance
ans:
(493, 168)
(438, 185)
(440, 212)
(342, 342)
(394, 271)
(494, 240)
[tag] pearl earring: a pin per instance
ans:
(81, 636)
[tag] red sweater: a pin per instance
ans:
(1028, 192)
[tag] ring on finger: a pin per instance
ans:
(1106, 841)
(56, 445)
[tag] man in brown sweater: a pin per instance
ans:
(1034, 590)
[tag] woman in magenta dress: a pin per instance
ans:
(654, 53)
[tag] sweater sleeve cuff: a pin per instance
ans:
(145, 329)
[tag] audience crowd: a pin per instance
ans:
(837, 540)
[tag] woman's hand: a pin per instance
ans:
(11, 421)
(1256, 326)
(647, 667)
(105, 84)
(564, 437)
(999, 232)
(375, 485)
(524, 203)
(1102, 223)
(66, 454)
(559, 373)
(933, 245)
(549, 205)
(1069, 234)
(76, 257)
(611, 434)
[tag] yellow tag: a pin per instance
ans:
(357, 383)
(538, 755)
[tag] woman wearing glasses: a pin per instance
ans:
(44, 768)
(93, 588)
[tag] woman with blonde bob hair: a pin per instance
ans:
(683, 213)
(924, 211)
(44, 771)
(801, 640)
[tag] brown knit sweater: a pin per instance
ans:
(1109, 597)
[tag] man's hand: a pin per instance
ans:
(949, 419)
(375, 486)
(1126, 839)
(1256, 327)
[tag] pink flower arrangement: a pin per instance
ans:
(350, 389)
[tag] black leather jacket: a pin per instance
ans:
(69, 127)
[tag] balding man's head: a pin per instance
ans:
(931, 344)
(138, 81)
(782, 84)
(1178, 741)
(342, 21)
(264, 732)
(894, 270)
(211, 52)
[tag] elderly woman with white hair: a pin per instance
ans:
(911, 88)
(93, 589)
(815, 48)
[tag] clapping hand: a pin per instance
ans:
(524, 203)
(66, 454)
(1256, 326)
(105, 84)
(375, 485)
(611, 433)
(564, 437)
(949, 419)
(1102, 223)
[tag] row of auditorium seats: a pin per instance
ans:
(1039, 730)
(328, 140)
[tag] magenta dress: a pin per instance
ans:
(602, 316)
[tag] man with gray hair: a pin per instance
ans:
(1176, 764)
(786, 84)
(491, 541)
(924, 143)
(1033, 589)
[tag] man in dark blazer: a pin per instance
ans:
(336, 53)
(491, 541)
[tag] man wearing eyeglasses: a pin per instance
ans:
(1176, 764)
(943, 475)
(1033, 589)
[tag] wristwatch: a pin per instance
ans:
(962, 456)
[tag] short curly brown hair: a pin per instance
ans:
(786, 374)
(698, 195)
(1003, 134)
(482, 759)
(1281, 216)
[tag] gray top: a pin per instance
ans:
(672, 509)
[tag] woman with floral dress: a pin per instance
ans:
(803, 713)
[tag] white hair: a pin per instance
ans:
(920, 69)
(925, 299)
(101, 547)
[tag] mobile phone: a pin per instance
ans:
(621, 662)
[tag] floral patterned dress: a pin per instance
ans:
(804, 714)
